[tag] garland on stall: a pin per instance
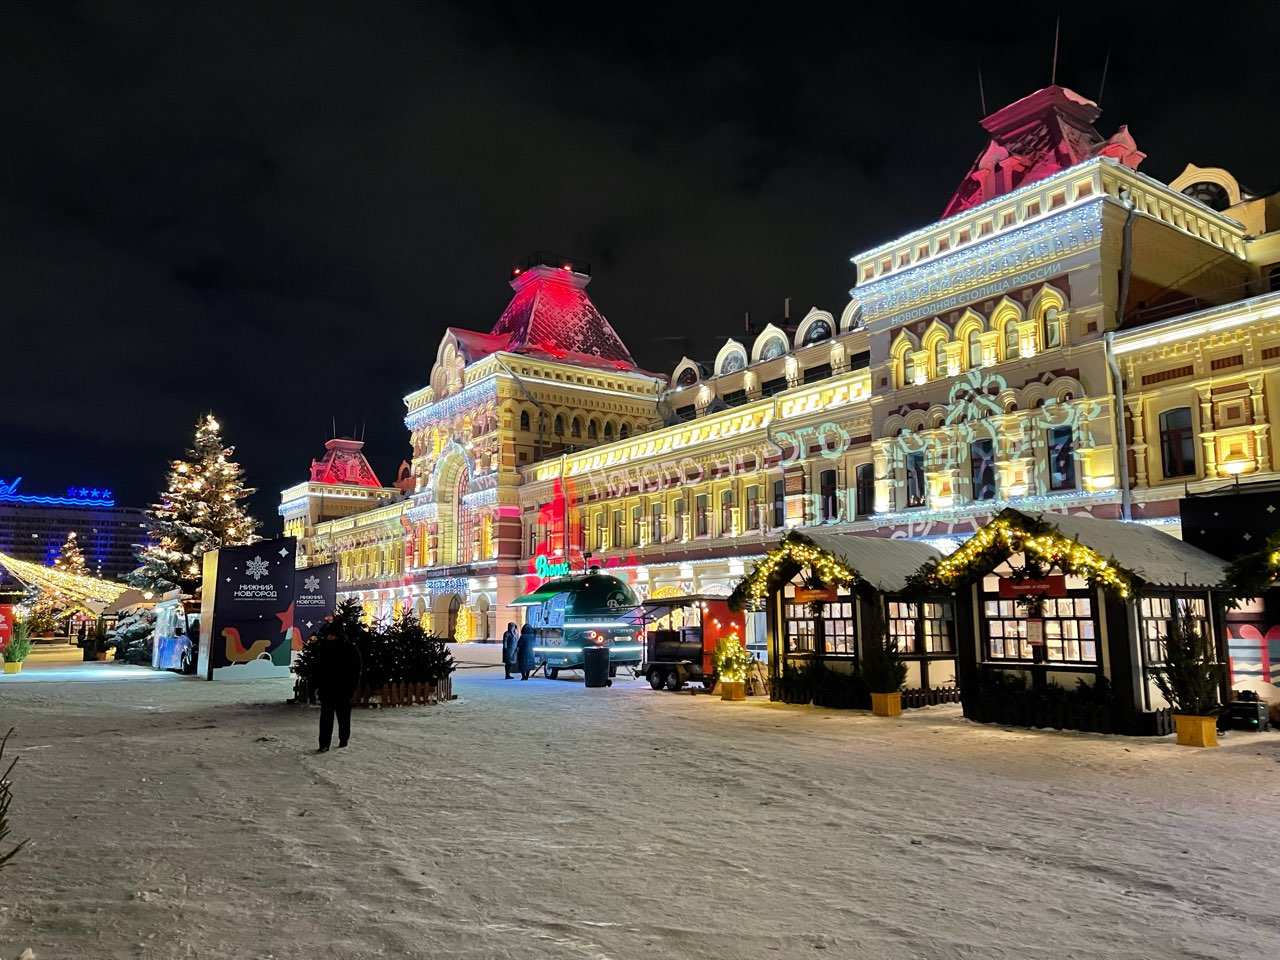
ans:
(1012, 532)
(1255, 573)
(781, 564)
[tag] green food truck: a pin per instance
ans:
(571, 613)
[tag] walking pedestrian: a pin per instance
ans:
(524, 650)
(338, 676)
(510, 639)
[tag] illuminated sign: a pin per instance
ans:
(548, 570)
(76, 496)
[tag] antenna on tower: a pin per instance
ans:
(1053, 74)
(1103, 85)
(982, 94)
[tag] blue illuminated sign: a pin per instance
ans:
(76, 496)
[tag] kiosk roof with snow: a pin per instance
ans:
(838, 558)
(1121, 557)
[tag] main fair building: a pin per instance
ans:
(1072, 335)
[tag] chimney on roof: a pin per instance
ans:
(746, 322)
(786, 309)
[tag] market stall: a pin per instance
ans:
(822, 592)
(1062, 618)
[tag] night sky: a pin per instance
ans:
(273, 210)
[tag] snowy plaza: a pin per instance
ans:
(171, 818)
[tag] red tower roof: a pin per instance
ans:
(1036, 137)
(552, 314)
(344, 463)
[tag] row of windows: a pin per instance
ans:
(982, 468)
(593, 429)
(938, 365)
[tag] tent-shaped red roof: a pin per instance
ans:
(1036, 137)
(551, 314)
(344, 463)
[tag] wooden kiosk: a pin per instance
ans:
(1061, 619)
(817, 589)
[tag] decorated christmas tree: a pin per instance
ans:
(70, 559)
(201, 510)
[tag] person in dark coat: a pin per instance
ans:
(337, 677)
(509, 641)
(524, 650)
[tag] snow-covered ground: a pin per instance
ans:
(180, 819)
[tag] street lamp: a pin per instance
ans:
(1235, 468)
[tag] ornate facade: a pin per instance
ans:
(1073, 335)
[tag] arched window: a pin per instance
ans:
(688, 377)
(818, 330)
(1052, 329)
(608, 431)
(908, 369)
(975, 348)
(623, 432)
(773, 349)
(1011, 350)
(591, 430)
(940, 359)
(524, 420)
(559, 427)
(575, 427)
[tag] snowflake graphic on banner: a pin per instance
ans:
(257, 568)
(312, 584)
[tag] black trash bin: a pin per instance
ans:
(595, 666)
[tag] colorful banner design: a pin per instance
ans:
(315, 597)
(6, 624)
(247, 607)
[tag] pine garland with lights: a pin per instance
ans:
(70, 558)
(1013, 532)
(200, 511)
(781, 564)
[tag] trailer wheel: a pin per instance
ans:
(613, 670)
(675, 681)
(657, 678)
(552, 673)
(709, 683)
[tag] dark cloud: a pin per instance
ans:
(273, 211)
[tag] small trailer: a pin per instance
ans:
(681, 634)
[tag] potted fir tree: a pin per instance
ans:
(882, 667)
(1189, 680)
(732, 663)
(18, 647)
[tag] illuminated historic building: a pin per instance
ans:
(979, 363)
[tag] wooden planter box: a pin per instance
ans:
(1196, 731)
(733, 690)
(886, 704)
(404, 694)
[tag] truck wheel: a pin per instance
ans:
(552, 673)
(674, 682)
(613, 670)
(657, 678)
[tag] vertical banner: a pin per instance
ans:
(315, 597)
(6, 624)
(252, 609)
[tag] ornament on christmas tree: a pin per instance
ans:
(199, 511)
